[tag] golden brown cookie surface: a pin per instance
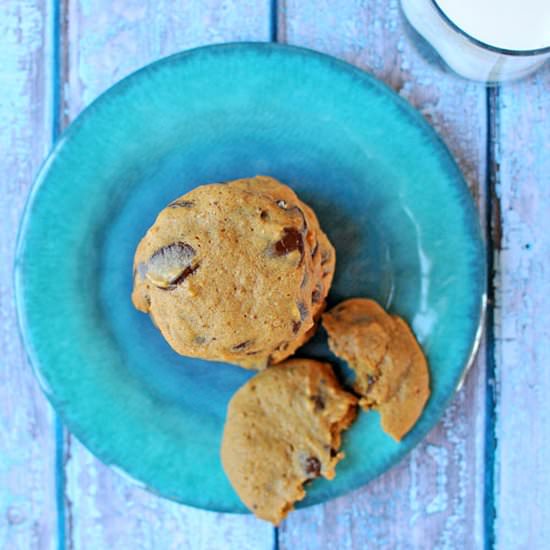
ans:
(391, 371)
(283, 429)
(235, 272)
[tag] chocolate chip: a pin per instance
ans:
(282, 346)
(185, 273)
(312, 467)
(296, 326)
(318, 402)
(302, 308)
(170, 265)
(242, 346)
(181, 204)
(316, 294)
(264, 215)
(291, 240)
(333, 453)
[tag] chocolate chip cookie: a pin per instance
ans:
(235, 272)
(283, 429)
(391, 371)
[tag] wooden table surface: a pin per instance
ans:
(481, 477)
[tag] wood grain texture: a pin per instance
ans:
(434, 498)
(523, 316)
(103, 42)
(27, 444)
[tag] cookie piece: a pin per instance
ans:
(283, 429)
(391, 370)
(235, 272)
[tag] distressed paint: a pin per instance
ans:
(103, 41)
(523, 316)
(434, 497)
(27, 445)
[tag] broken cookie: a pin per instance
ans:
(283, 429)
(391, 372)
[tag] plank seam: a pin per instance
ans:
(273, 21)
(493, 229)
(59, 463)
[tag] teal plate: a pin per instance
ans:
(385, 188)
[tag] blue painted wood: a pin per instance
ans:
(27, 438)
(522, 316)
(102, 42)
(434, 498)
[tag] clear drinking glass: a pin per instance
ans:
(486, 40)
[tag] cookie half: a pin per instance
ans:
(283, 429)
(391, 370)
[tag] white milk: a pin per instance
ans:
(508, 24)
(518, 25)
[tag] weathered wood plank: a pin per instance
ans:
(105, 41)
(434, 498)
(523, 316)
(28, 516)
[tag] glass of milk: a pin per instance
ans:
(487, 40)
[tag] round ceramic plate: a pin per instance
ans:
(386, 191)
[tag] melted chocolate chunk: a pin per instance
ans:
(282, 346)
(242, 346)
(185, 273)
(181, 204)
(290, 241)
(318, 402)
(170, 265)
(312, 467)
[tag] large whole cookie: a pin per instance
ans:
(283, 429)
(390, 368)
(235, 272)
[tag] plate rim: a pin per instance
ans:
(365, 79)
